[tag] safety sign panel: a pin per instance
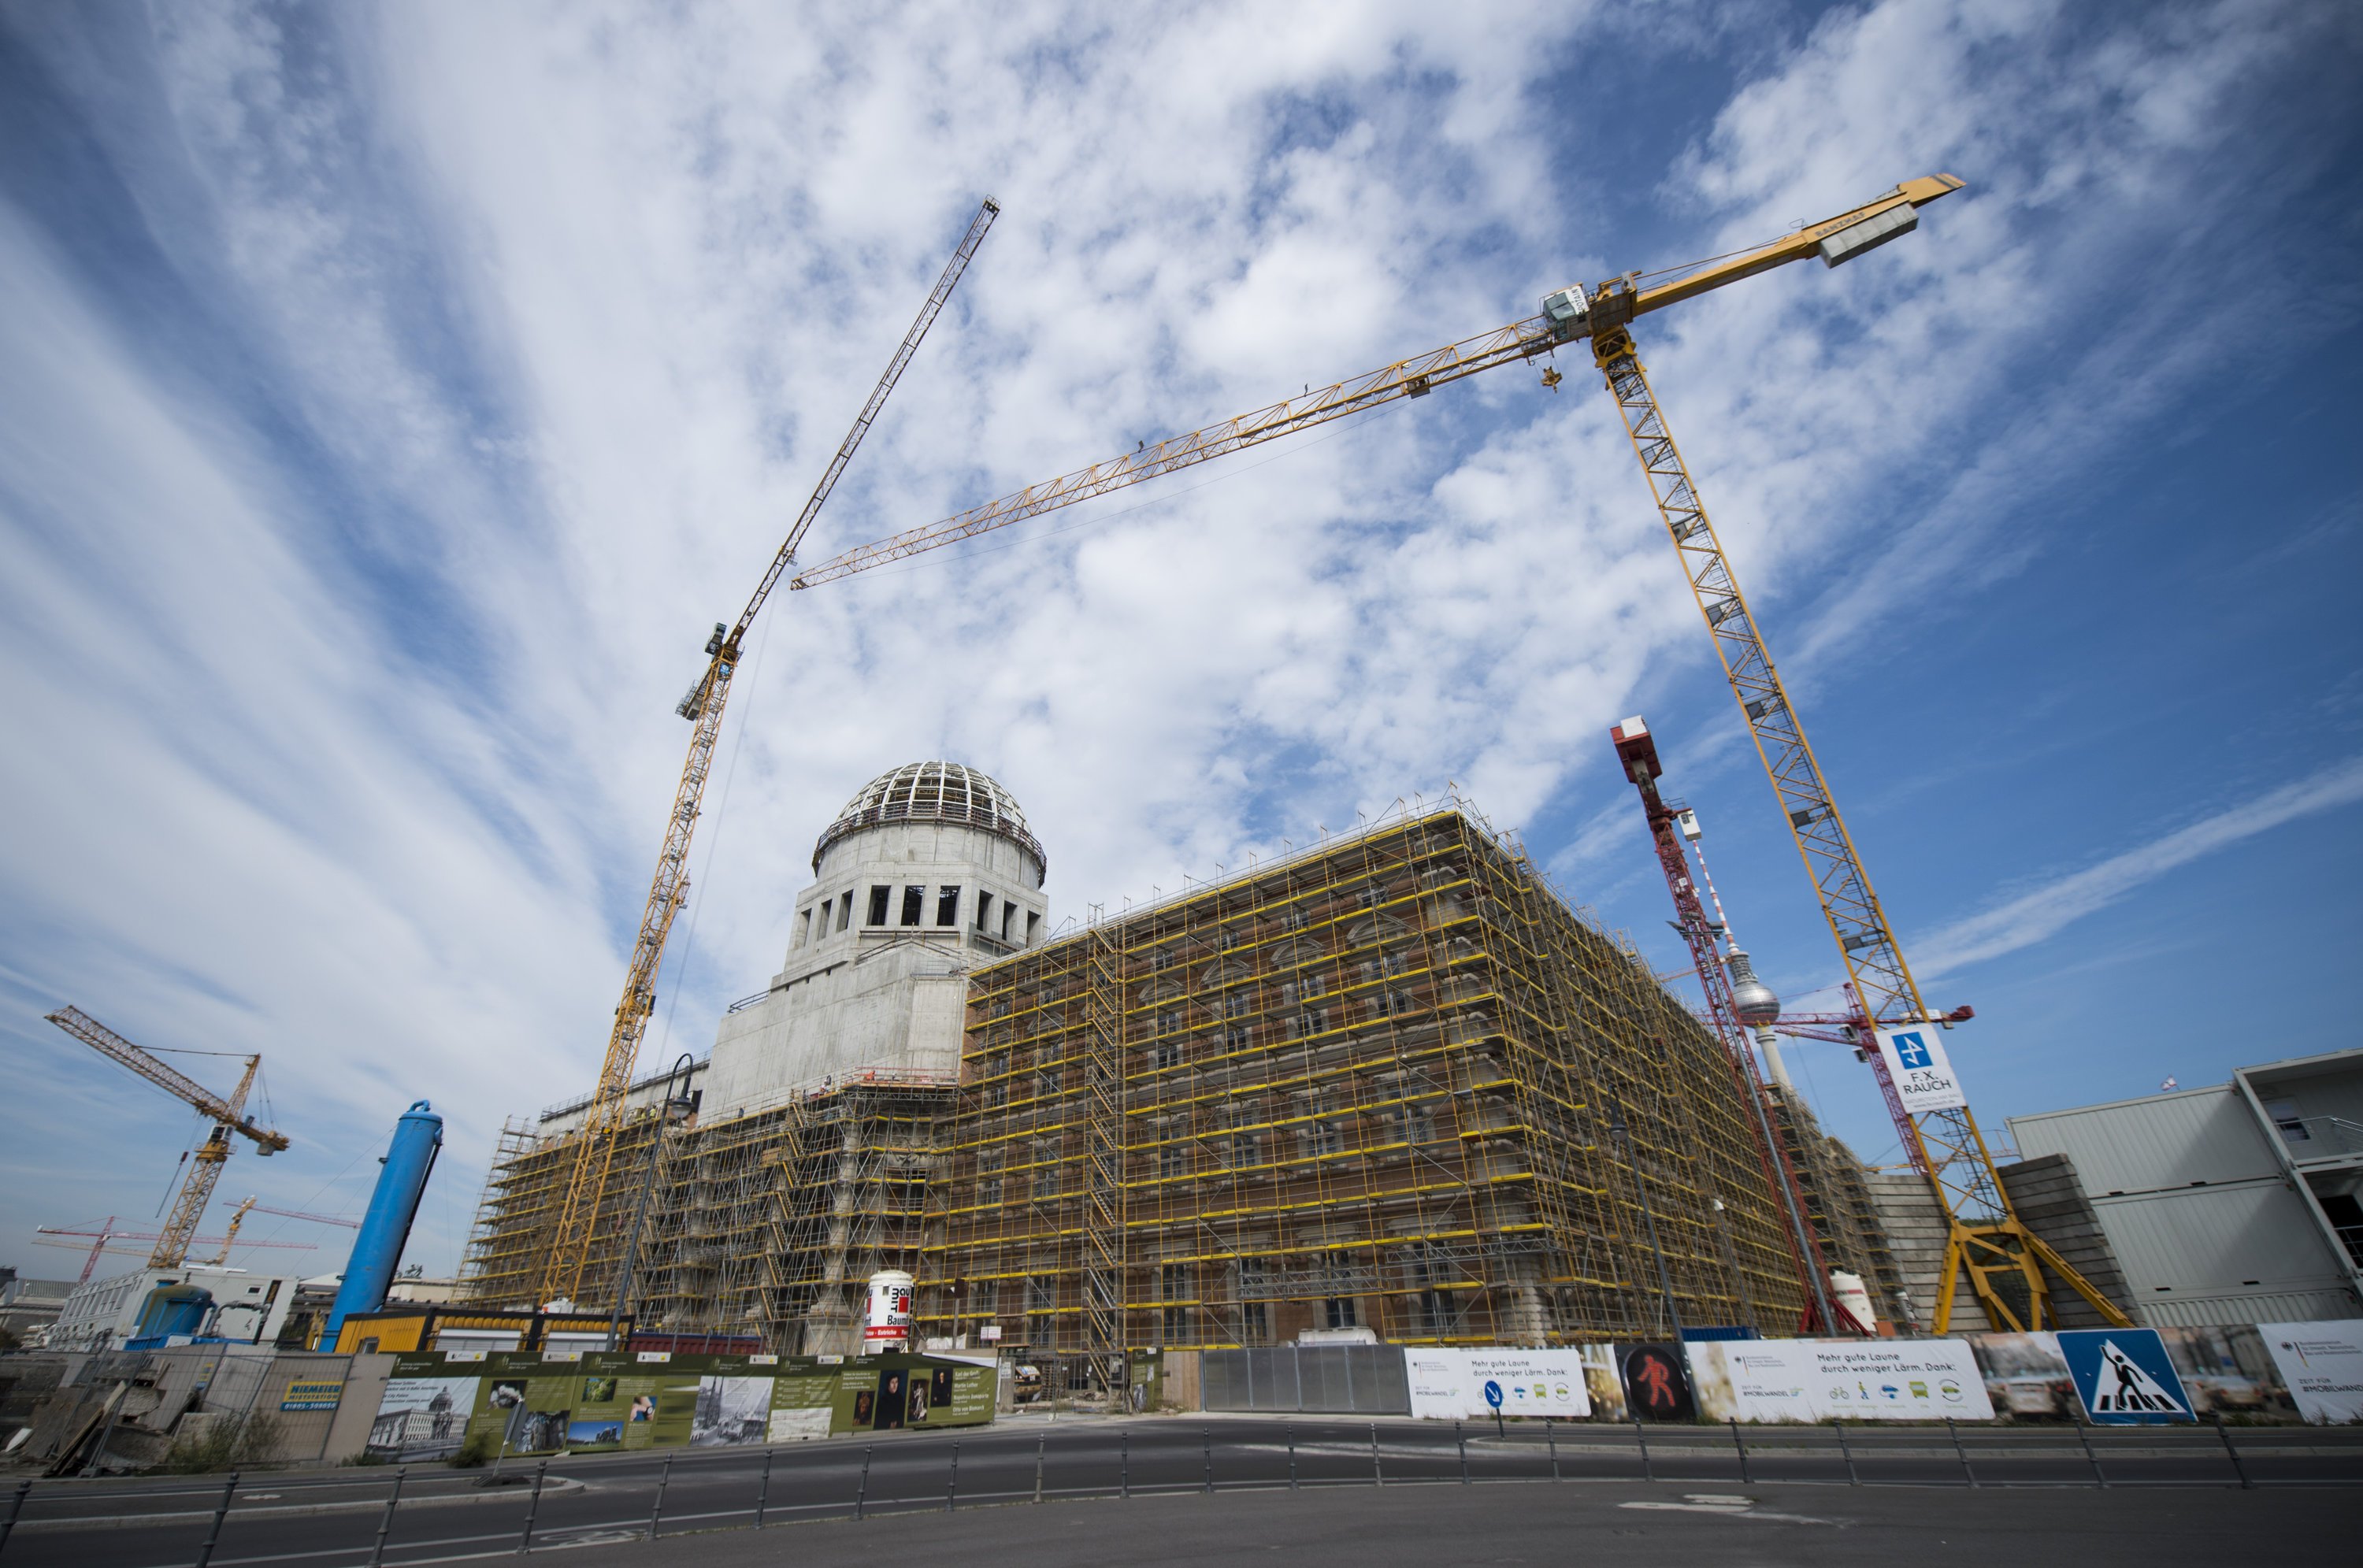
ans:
(2124, 1377)
(2321, 1366)
(1918, 1066)
(1449, 1383)
(1658, 1384)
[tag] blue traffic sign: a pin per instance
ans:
(1493, 1394)
(2124, 1377)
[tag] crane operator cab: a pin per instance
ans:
(1566, 311)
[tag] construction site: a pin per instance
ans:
(1392, 1084)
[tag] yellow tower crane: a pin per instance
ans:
(228, 1113)
(569, 1252)
(1986, 1241)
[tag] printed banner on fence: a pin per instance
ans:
(1814, 1380)
(1448, 1385)
(2321, 1366)
(617, 1403)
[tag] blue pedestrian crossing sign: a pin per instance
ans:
(1493, 1394)
(2124, 1377)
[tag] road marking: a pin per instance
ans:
(1727, 1511)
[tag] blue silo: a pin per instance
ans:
(385, 1228)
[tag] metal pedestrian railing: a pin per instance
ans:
(411, 1513)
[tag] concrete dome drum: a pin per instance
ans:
(949, 792)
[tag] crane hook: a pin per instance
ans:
(1551, 377)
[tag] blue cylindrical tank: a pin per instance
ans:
(385, 1228)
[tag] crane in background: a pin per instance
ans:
(2003, 1261)
(1735, 1004)
(569, 1252)
(108, 1232)
(228, 1114)
(229, 1234)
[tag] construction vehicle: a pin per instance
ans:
(228, 1114)
(2002, 1261)
(569, 1252)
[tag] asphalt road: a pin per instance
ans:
(332, 1518)
(1611, 1522)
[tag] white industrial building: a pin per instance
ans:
(249, 1307)
(2232, 1204)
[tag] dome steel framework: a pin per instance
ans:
(935, 792)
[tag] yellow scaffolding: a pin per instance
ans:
(766, 1224)
(1370, 1086)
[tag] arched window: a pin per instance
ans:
(1378, 928)
(1302, 950)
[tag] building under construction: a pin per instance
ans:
(1392, 1082)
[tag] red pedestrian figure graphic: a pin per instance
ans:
(1654, 1384)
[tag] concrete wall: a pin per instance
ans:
(151, 1400)
(853, 996)
(2052, 1203)
(1916, 1230)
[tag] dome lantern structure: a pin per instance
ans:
(949, 792)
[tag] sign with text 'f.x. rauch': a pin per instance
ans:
(1916, 1060)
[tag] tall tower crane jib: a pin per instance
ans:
(2002, 1263)
(227, 1111)
(562, 1275)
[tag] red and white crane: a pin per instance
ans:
(1737, 1002)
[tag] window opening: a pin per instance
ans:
(915, 904)
(878, 900)
(948, 905)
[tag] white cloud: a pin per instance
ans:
(2037, 915)
(342, 649)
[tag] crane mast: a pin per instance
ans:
(228, 1114)
(570, 1253)
(1986, 1242)
(1985, 1239)
(1636, 751)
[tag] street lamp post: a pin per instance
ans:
(1617, 1131)
(665, 1108)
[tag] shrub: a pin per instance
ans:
(477, 1451)
(227, 1442)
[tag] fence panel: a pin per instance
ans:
(1328, 1380)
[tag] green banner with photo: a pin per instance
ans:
(436, 1404)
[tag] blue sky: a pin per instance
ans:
(392, 397)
